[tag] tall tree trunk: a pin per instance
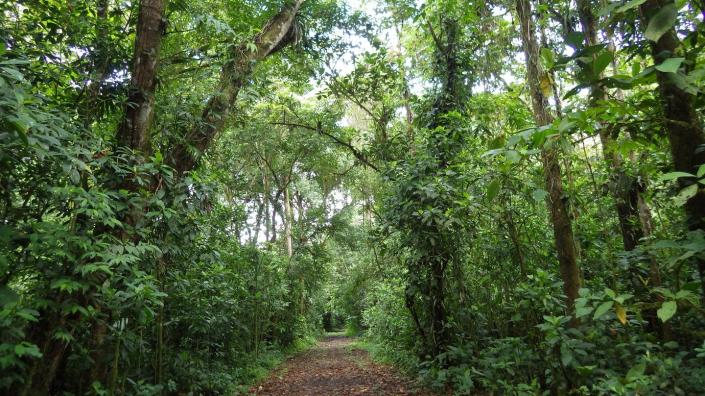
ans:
(265, 203)
(562, 227)
(682, 125)
(625, 189)
(133, 133)
(447, 100)
(139, 107)
(288, 223)
(280, 31)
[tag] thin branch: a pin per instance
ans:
(355, 152)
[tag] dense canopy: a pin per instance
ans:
(498, 196)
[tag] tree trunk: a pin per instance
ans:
(288, 223)
(562, 227)
(280, 31)
(139, 107)
(682, 124)
(625, 190)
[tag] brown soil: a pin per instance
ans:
(331, 368)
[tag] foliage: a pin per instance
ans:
(382, 170)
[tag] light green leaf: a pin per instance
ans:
(539, 194)
(685, 194)
(602, 309)
(667, 310)
(701, 171)
(636, 372)
(675, 175)
(512, 156)
(660, 23)
(547, 58)
(601, 62)
(582, 311)
(670, 65)
(27, 349)
(629, 5)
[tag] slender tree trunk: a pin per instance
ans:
(625, 189)
(682, 124)
(514, 237)
(562, 227)
(265, 203)
(288, 223)
(405, 90)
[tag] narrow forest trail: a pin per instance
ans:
(333, 368)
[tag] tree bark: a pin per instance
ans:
(288, 223)
(562, 226)
(682, 125)
(280, 31)
(139, 107)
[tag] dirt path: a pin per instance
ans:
(331, 368)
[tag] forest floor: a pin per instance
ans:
(334, 367)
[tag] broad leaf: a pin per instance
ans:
(667, 310)
(660, 23)
(7, 295)
(601, 62)
(670, 65)
(493, 189)
(635, 372)
(539, 194)
(675, 175)
(602, 309)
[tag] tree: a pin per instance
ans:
(682, 125)
(562, 225)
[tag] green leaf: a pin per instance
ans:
(27, 349)
(670, 65)
(7, 295)
(675, 175)
(512, 156)
(602, 309)
(636, 372)
(28, 314)
(629, 5)
(582, 311)
(701, 171)
(660, 23)
(566, 355)
(493, 189)
(667, 310)
(575, 39)
(601, 62)
(539, 194)
(685, 194)
(547, 58)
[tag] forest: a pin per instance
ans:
(493, 197)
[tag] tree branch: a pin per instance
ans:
(355, 152)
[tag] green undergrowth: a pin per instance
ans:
(405, 361)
